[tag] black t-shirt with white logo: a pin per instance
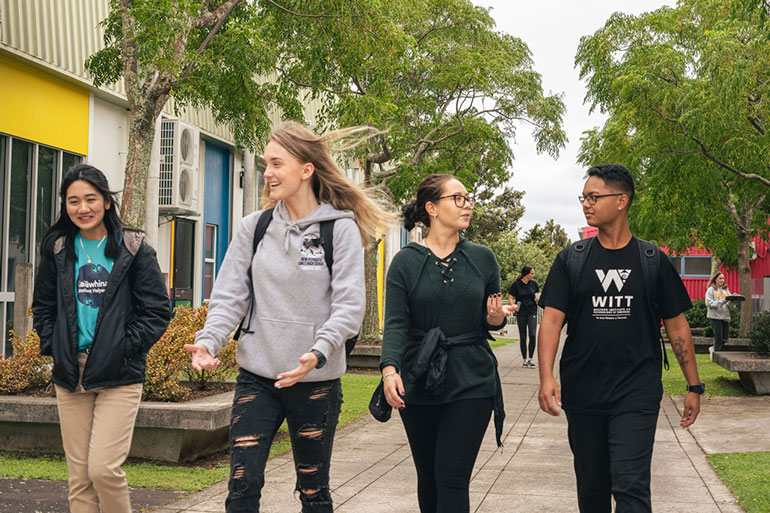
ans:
(611, 361)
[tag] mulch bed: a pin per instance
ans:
(41, 496)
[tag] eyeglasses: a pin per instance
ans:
(460, 200)
(593, 198)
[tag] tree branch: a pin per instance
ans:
(725, 165)
(221, 15)
(300, 15)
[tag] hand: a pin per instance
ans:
(548, 394)
(393, 387)
(201, 358)
(307, 362)
(691, 409)
(496, 311)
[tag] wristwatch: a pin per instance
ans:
(321, 358)
(698, 389)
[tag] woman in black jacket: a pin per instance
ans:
(99, 304)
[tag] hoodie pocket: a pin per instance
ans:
(289, 334)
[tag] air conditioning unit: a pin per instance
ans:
(178, 184)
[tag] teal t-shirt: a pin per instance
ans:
(90, 283)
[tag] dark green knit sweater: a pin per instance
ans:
(423, 293)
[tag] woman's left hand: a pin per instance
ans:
(496, 310)
(307, 362)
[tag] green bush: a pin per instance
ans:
(168, 362)
(26, 369)
(696, 316)
(759, 335)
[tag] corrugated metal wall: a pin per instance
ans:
(61, 34)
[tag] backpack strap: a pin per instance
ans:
(259, 232)
(650, 261)
(577, 255)
(327, 242)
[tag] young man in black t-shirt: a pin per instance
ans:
(611, 362)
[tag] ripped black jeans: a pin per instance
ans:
(311, 411)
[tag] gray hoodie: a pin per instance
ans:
(298, 305)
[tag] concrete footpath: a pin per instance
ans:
(372, 470)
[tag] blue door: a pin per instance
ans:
(216, 213)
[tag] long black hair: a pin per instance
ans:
(525, 270)
(65, 226)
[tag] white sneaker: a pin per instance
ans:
(524, 363)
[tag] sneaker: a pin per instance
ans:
(532, 364)
(524, 363)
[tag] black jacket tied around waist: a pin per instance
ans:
(431, 364)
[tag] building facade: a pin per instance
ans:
(52, 117)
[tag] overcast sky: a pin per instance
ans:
(552, 29)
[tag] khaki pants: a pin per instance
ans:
(96, 428)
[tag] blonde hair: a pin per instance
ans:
(329, 182)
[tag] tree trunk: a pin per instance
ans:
(140, 139)
(370, 328)
(249, 182)
(744, 276)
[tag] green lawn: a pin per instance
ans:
(718, 380)
(747, 474)
(357, 390)
(500, 342)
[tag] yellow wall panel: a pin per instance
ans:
(42, 108)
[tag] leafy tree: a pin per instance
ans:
(446, 89)
(495, 215)
(512, 254)
(686, 90)
(203, 54)
(550, 238)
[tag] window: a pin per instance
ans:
(692, 266)
(29, 178)
(210, 260)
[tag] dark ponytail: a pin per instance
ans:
(65, 226)
(525, 270)
(430, 189)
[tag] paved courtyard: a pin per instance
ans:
(372, 470)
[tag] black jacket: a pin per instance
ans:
(133, 315)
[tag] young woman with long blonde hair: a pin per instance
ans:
(298, 310)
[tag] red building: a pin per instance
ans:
(695, 268)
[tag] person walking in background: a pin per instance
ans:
(297, 312)
(99, 304)
(613, 290)
(525, 292)
(443, 297)
(717, 309)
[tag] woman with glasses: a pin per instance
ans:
(437, 367)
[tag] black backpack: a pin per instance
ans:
(327, 242)
(577, 255)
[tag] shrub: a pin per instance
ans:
(27, 368)
(759, 335)
(696, 316)
(168, 361)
